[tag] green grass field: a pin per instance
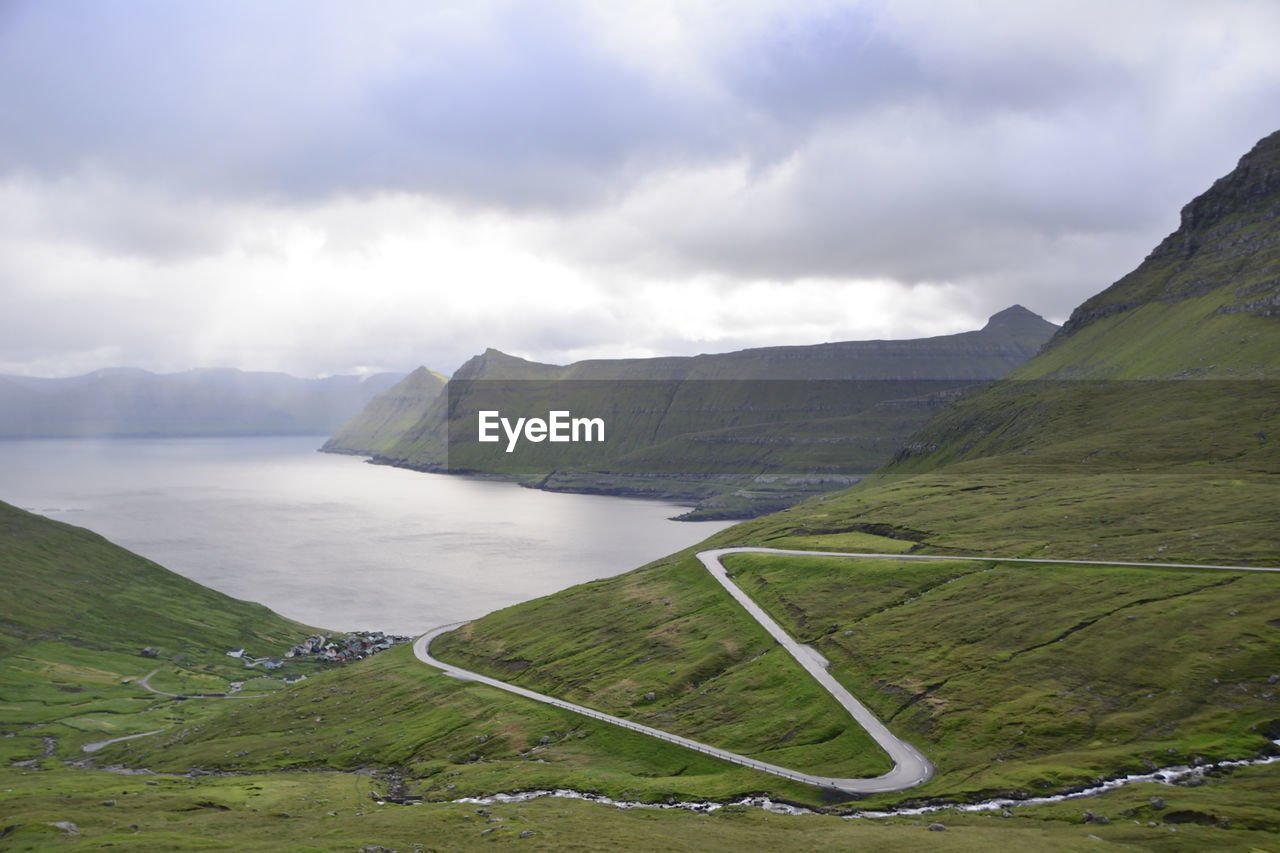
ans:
(334, 811)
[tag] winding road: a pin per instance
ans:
(910, 768)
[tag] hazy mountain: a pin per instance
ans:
(127, 401)
(388, 415)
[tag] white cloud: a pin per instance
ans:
(317, 188)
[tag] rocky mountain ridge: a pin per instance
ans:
(1227, 247)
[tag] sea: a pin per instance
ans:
(330, 540)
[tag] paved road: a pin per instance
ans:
(911, 768)
(422, 649)
(748, 549)
(97, 745)
(145, 684)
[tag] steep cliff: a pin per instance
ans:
(388, 415)
(693, 427)
(1145, 429)
(1205, 302)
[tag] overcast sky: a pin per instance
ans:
(328, 187)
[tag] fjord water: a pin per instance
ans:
(330, 540)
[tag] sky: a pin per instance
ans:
(322, 187)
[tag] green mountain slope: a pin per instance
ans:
(1204, 303)
(388, 415)
(769, 425)
(83, 621)
(65, 583)
(1146, 428)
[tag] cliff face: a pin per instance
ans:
(1204, 302)
(828, 412)
(388, 415)
(1204, 305)
(1009, 338)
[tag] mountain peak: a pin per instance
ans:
(1226, 230)
(1014, 314)
(1018, 323)
(1203, 304)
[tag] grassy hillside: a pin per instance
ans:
(1146, 429)
(671, 632)
(67, 583)
(1205, 301)
(228, 774)
(388, 415)
(1032, 679)
(78, 612)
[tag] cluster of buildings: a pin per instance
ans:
(324, 647)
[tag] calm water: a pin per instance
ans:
(330, 540)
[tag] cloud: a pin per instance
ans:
(313, 185)
(493, 103)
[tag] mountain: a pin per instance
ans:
(128, 401)
(744, 432)
(1204, 303)
(1144, 433)
(1017, 680)
(1147, 427)
(388, 415)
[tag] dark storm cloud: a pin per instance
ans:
(537, 116)
(1016, 158)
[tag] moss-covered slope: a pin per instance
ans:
(388, 415)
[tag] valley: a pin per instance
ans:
(1066, 578)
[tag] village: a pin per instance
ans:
(325, 649)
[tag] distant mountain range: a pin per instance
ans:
(744, 432)
(133, 402)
